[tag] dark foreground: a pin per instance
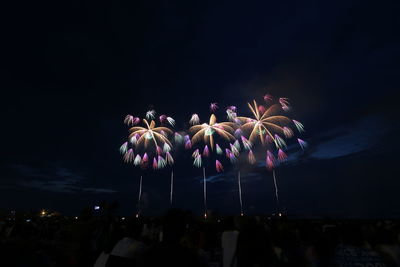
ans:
(180, 239)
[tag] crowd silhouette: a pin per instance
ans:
(180, 239)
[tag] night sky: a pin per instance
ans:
(72, 70)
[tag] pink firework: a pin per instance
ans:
(261, 109)
(195, 153)
(233, 108)
(145, 161)
(159, 150)
(268, 139)
(206, 151)
(281, 155)
(232, 158)
(155, 165)
(237, 121)
(128, 157)
(250, 157)
(268, 98)
(303, 144)
(145, 158)
(270, 160)
(218, 166)
(284, 103)
(287, 132)
(163, 118)
(188, 144)
(213, 107)
(227, 152)
(130, 120)
(246, 143)
(238, 133)
(187, 138)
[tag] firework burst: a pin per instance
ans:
(206, 131)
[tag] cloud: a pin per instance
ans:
(212, 178)
(55, 179)
(363, 135)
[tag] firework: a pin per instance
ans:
(284, 103)
(218, 166)
(270, 160)
(269, 127)
(145, 161)
(195, 153)
(169, 158)
(206, 131)
(123, 148)
(129, 156)
(213, 107)
(161, 163)
(155, 165)
(233, 108)
(194, 119)
(151, 114)
(206, 151)
(138, 160)
(197, 161)
(231, 115)
(246, 143)
(130, 120)
(279, 142)
(263, 124)
(134, 139)
(178, 138)
(159, 150)
(171, 121)
(299, 126)
(268, 98)
(163, 118)
(287, 132)
(281, 155)
(166, 148)
(238, 132)
(237, 145)
(188, 144)
(261, 109)
(302, 143)
(150, 136)
(234, 150)
(151, 141)
(232, 158)
(218, 149)
(227, 152)
(250, 157)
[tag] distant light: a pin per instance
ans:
(43, 213)
(219, 220)
(123, 218)
(76, 217)
(279, 214)
(28, 220)
(96, 207)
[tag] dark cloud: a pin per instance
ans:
(55, 179)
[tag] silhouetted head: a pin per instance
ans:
(174, 226)
(134, 228)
